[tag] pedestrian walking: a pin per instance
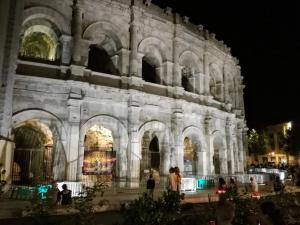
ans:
(150, 185)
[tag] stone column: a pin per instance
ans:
(176, 66)
(73, 146)
(208, 127)
(206, 73)
(134, 148)
(124, 61)
(245, 146)
(66, 42)
(202, 163)
(230, 156)
(240, 149)
(11, 12)
(201, 83)
(176, 129)
(77, 32)
(133, 69)
(168, 73)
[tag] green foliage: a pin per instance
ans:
(291, 140)
(147, 211)
(244, 207)
(259, 142)
(84, 204)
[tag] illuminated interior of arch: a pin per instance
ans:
(39, 42)
(189, 156)
(99, 156)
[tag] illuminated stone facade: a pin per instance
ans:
(132, 68)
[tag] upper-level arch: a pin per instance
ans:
(191, 66)
(98, 31)
(48, 14)
(153, 53)
(106, 41)
(216, 81)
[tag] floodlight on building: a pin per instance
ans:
(289, 125)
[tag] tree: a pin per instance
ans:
(290, 141)
(258, 142)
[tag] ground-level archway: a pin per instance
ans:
(154, 148)
(41, 144)
(194, 151)
(99, 156)
(114, 137)
(33, 156)
(219, 158)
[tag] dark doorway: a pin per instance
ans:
(149, 71)
(100, 61)
(154, 151)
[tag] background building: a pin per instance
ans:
(115, 88)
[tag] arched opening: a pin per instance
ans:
(100, 61)
(39, 42)
(150, 154)
(33, 156)
(150, 70)
(190, 157)
(154, 153)
(187, 79)
(99, 156)
(219, 161)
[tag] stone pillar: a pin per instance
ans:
(240, 149)
(206, 73)
(202, 163)
(11, 12)
(124, 61)
(73, 172)
(176, 129)
(133, 70)
(197, 83)
(208, 127)
(134, 148)
(168, 73)
(165, 158)
(245, 146)
(176, 66)
(229, 135)
(202, 83)
(77, 32)
(66, 41)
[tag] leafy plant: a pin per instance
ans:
(259, 142)
(84, 204)
(147, 211)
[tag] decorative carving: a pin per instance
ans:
(147, 2)
(200, 27)
(186, 19)
(168, 11)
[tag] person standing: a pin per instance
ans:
(254, 185)
(178, 179)
(278, 186)
(64, 196)
(150, 185)
(172, 185)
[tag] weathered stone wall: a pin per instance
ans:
(70, 98)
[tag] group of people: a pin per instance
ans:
(174, 181)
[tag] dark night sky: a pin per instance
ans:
(265, 37)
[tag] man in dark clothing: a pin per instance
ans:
(64, 196)
(150, 185)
